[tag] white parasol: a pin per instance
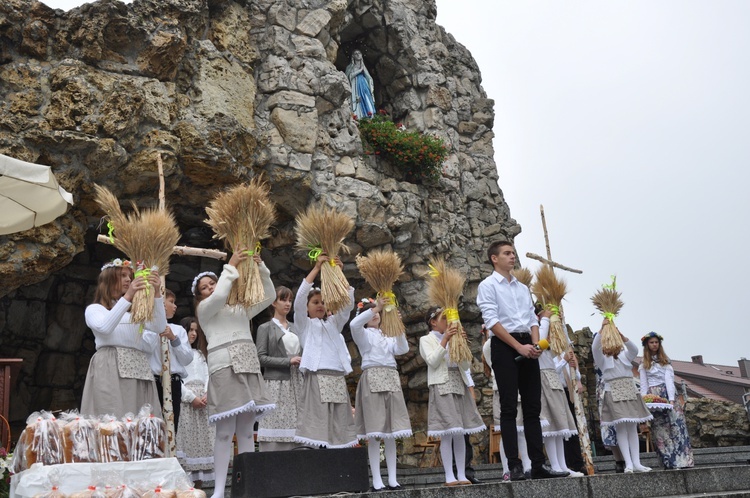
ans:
(29, 195)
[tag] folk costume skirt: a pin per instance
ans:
(105, 392)
(670, 435)
(230, 394)
(452, 413)
(555, 407)
(620, 405)
(281, 425)
(195, 439)
(325, 412)
(380, 412)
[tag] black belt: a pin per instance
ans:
(520, 334)
(175, 377)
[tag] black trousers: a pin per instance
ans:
(514, 377)
(573, 456)
(176, 397)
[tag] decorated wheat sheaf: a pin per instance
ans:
(321, 230)
(523, 275)
(147, 237)
(444, 289)
(607, 301)
(381, 269)
(550, 290)
(242, 216)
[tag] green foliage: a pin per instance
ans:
(419, 156)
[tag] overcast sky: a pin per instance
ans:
(630, 122)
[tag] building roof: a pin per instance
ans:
(707, 380)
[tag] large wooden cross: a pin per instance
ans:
(167, 407)
(570, 376)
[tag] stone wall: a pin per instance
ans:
(225, 90)
(714, 423)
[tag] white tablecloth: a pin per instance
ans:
(77, 476)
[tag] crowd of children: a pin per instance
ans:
(294, 383)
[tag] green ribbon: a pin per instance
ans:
(110, 232)
(145, 273)
(252, 252)
(609, 316)
(553, 308)
(613, 285)
(314, 252)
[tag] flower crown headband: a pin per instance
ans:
(650, 335)
(117, 263)
(361, 304)
(199, 276)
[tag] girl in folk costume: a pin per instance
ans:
(554, 404)
(380, 411)
(325, 416)
(668, 428)
(119, 378)
(195, 436)
(523, 451)
(452, 411)
(236, 391)
(279, 352)
(622, 406)
(607, 432)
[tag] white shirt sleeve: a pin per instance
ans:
(183, 351)
(269, 292)
(301, 320)
(669, 381)
(488, 304)
(104, 321)
(644, 380)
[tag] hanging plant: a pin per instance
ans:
(418, 155)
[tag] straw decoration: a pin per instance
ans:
(322, 230)
(242, 216)
(523, 275)
(550, 290)
(444, 289)
(147, 237)
(607, 301)
(381, 269)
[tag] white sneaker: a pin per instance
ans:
(573, 473)
(628, 470)
(641, 468)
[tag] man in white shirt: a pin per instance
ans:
(508, 311)
(180, 355)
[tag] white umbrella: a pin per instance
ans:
(29, 195)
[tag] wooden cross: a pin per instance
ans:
(166, 372)
(583, 432)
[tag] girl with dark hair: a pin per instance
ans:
(119, 378)
(380, 408)
(668, 429)
(237, 394)
(195, 436)
(279, 352)
(452, 412)
(325, 416)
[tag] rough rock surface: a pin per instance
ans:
(226, 90)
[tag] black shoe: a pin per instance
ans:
(527, 475)
(394, 488)
(373, 490)
(473, 480)
(619, 467)
(516, 474)
(546, 472)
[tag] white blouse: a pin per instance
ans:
(613, 368)
(376, 349)
(290, 339)
(657, 375)
(112, 328)
(197, 371)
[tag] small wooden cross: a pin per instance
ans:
(583, 433)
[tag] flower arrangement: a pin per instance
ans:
(418, 155)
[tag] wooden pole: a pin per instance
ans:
(182, 250)
(167, 407)
(570, 377)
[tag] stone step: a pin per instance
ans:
(705, 458)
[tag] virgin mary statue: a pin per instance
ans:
(363, 100)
